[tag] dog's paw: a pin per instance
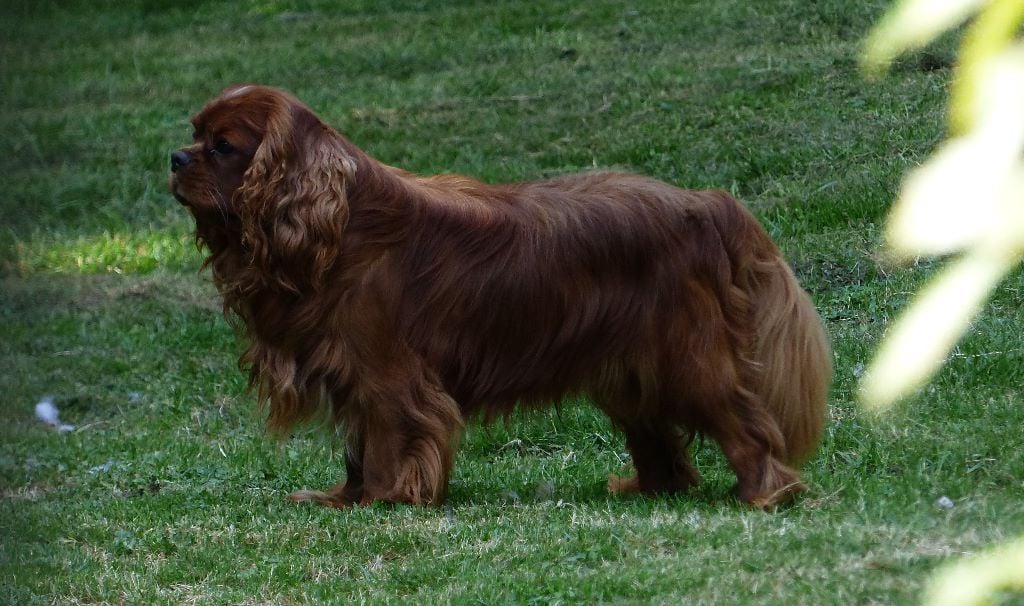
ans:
(780, 496)
(617, 485)
(319, 497)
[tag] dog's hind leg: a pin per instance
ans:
(707, 389)
(753, 444)
(661, 458)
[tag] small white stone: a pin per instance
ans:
(945, 502)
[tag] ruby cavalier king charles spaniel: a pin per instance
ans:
(393, 307)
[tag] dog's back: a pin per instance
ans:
(570, 285)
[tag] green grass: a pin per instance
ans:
(169, 492)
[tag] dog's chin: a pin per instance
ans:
(194, 205)
(172, 185)
(200, 207)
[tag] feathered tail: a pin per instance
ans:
(790, 355)
(795, 361)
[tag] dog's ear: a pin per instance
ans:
(292, 201)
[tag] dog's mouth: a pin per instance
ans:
(181, 199)
(175, 188)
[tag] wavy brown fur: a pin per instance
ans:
(398, 305)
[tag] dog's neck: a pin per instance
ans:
(387, 204)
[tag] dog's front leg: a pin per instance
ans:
(400, 443)
(411, 431)
(350, 491)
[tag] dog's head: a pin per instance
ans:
(264, 170)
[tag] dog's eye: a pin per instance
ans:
(223, 148)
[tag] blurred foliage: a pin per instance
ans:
(966, 201)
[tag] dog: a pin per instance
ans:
(393, 307)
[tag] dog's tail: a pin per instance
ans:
(795, 360)
(789, 355)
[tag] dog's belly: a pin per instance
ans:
(539, 347)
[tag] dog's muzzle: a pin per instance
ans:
(179, 160)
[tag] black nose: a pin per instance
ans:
(179, 159)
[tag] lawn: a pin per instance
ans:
(168, 491)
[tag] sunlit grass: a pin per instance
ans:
(120, 253)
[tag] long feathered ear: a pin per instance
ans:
(292, 201)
